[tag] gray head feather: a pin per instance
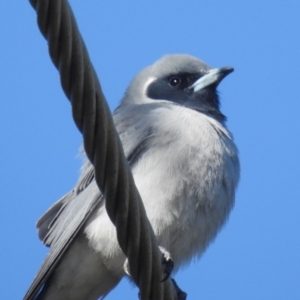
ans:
(167, 65)
(180, 80)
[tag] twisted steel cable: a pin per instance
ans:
(103, 147)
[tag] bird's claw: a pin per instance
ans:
(126, 267)
(168, 263)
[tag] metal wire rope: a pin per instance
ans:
(103, 147)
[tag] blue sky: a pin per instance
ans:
(257, 254)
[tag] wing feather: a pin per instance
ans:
(59, 226)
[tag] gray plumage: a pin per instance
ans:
(186, 168)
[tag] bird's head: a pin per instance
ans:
(181, 79)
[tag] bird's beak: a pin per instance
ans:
(213, 77)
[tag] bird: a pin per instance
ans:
(185, 166)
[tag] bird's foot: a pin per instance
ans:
(167, 262)
(126, 267)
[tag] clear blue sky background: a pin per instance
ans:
(257, 254)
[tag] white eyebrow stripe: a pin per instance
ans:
(147, 83)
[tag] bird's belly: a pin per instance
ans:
(187, 187)
(187, 183)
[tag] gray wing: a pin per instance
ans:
(44, 224)
(58, 227)
(60, 224)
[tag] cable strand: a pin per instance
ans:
(103, 147)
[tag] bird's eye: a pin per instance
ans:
(174, 81)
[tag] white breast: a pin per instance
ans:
(187, 180)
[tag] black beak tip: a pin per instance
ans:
(227, 70)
